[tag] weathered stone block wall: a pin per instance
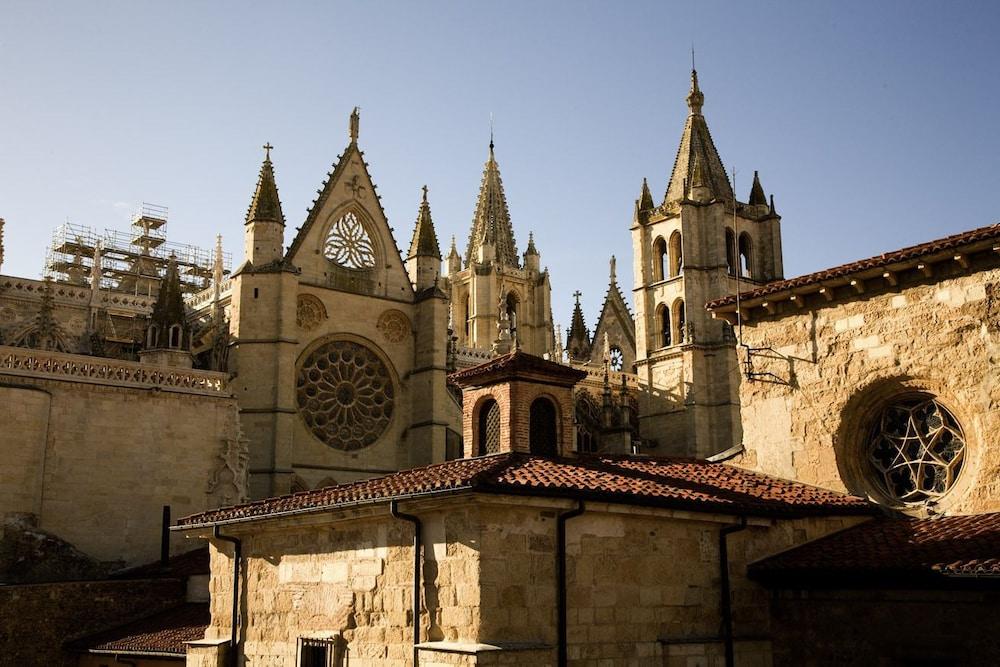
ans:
(832, 366)
(96, 463)
(35, 620)
(862, 628)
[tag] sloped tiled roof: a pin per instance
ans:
(164, 633)
(890, 550)
(885, 259)
(514, 364)
(670, 483)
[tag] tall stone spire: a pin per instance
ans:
(424, 241)
(578, 340)
(697, 149)
(265, 205)
(757, 197)
(491, 223)
(645, 197)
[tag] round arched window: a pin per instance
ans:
(915, 449)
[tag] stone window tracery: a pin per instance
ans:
(617, 358)
(916, 449)
(345, 394)
(348, 244)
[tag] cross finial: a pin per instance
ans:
(267, 151)
(577, 294)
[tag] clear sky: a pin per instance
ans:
(875, 125)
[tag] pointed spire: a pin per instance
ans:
(265, 205)
(578, 340)
(491, 222)
(531, 250)
(697, 150)
(424, 240)
(645, 197)
(771, 210)
(168, 312)
(757, 197)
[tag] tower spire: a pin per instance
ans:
(491, 221)
(265, 205)
(757, 197)
(578, 340)
(424, 241)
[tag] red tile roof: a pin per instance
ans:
(890, 550)
(517, 364)
(160, 634)
(879, 261)
(673, 483)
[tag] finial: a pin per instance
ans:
(267, 151)
(613, 277)
(425, 194)
(577, 294)
(695, 98)
(692, 57)
(491, 133)
(354, 125)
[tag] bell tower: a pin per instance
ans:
(698, 244)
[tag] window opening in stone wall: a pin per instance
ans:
(468, 320)
(916, 449)
(488, 433)
(319, 653)
(665, 324)
(151, 335)
(175, 336)
(512, 313)
(676, 254)
(659, 259)
(746, 256)
(588, 424)
(680, 331)
(348, 244)
(730, 251)
(617, 358)
(542, 428)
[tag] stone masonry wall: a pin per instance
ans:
(833, 365)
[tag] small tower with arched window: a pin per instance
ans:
(518, 403)
(700, 243)
(168, 336)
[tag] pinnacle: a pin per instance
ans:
(757, 197)
(266, 205)
(645, 197)
(424, 240)
(491, 221)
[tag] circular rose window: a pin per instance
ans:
(916, 449)
(345, 394)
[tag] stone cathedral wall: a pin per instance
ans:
(94, 448)
(830, 366)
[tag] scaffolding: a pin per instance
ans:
(133, 261)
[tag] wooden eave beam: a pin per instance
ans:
(890, 277)
(859, 285)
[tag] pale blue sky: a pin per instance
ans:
(874, 124)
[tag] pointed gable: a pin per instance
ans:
(696, 155)
(265, 205)
(491, 222)
(616, 322)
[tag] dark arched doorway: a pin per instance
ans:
(542, 428)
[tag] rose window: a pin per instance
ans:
(617, 358)
(348, 244)
(345, 395)
(916, 448)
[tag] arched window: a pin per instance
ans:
(488, 433)
(730, 251)
(151, 335)
(676, 254)
(659, 259)
(468, 319)
(512, 313)
(175, 336)
(746, 256)
(542, 428)
(663, 320)
(680, 328)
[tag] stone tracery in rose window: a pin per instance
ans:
(348, 244)
(345, 395)
(916, 448)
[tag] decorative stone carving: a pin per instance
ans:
(345, 394)
(394, 325)
(309, 312)
(348, 244)
(228, 482)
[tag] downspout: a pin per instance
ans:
(726, 601)
(561, 520)
(417, 528)
(237, 556)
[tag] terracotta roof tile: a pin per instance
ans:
(675, 483)
(162, 633)
(890, 549)
(885, 259)
(513, 364)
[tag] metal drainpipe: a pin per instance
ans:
(726, 601)
(417, 528)
(561, 579)
(237, 556)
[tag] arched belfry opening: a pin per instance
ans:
(518, 402)
(512, 304)
(542, 428)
